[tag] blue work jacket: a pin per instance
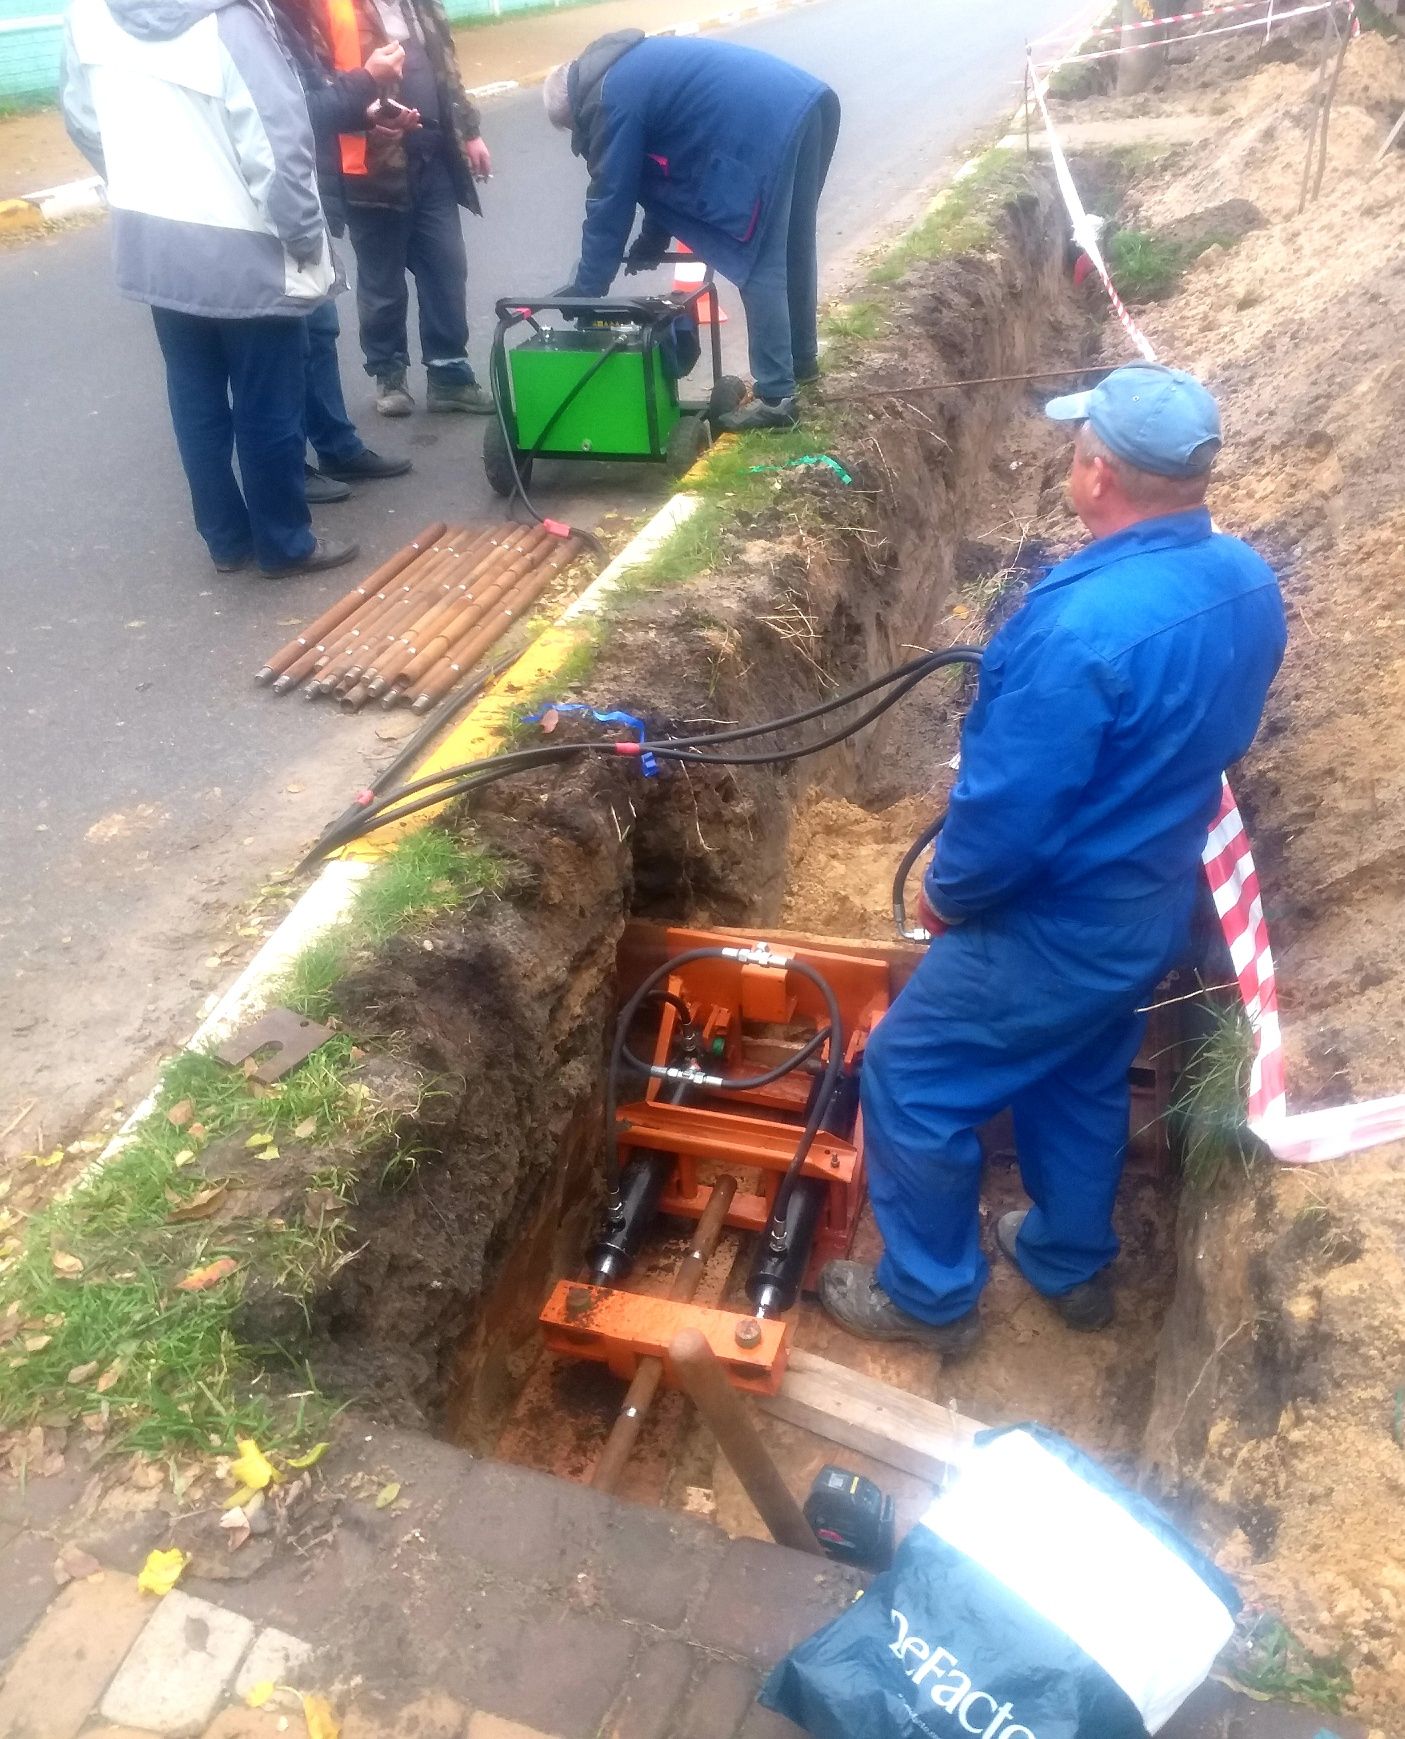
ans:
(698, 133)
(1108, 707)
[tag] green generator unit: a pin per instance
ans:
(602, 386)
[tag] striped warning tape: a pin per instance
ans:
(1199, 35)
(1120, 29)
(1299, 1138)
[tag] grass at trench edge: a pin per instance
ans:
(94, 1330)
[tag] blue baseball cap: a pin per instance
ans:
(1159, 419)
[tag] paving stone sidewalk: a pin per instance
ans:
(488, 1602)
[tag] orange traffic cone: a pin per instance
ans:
(686, 279)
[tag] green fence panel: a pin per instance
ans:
(30, 39)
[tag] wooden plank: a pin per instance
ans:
(871, 1417)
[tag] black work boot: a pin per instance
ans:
(323, 554)
(850, 1293)
(323, 489)
(365, 467)
(1086, 1307)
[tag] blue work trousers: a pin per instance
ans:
(237, 386)
(329, 428)
(1028, 1011)
(781, 297)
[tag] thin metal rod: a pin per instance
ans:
(892, 392)
(629, 1421)
(700, 1372)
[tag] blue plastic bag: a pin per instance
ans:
(1036, 1599)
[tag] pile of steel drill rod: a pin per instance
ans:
(420, 623)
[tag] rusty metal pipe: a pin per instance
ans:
(699, 1371)
(318, 652)
(468, 652)
(440, 589)
(629, 1421)
(345, 607)
(518, 558)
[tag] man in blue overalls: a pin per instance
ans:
(1061, 888)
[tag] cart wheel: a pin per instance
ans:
(497, 461)
(727, 396)
(686, 445)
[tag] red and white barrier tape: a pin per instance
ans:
(1159, 23)
(1304, 1137)
(1197, 35)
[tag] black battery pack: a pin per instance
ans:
(851, 1518)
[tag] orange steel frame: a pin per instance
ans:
(735, 1132)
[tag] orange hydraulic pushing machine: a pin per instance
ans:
(746, 1056)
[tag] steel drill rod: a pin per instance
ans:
(446, 583)
(448, 609)
(467, 653)
(629, 1421)
(482, 638)
(346, 606)
(370, 634)
(350, 636)
(318, 653)
(518, 560)
(700, 1372)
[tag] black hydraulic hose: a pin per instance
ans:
(451, 783)
(620, 1054)
(743, 1083)
(910, 857)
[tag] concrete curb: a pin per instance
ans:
(38, 211)
(328, 898)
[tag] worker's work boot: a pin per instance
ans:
(392, 395)
(1086, 1307)
(323, 554)
(850, 1293)
(365, 467)
(464, 396)
(322, 490)
(761, 414)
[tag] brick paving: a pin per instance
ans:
(490, 1602)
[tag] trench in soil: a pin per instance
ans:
(959, 569)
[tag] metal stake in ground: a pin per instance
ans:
(700, 1372)
(624, 1434)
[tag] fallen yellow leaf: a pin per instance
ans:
(257, 1695)
(262, 1139)
(184, 1157)
(35, 1343)
(161, 1571)
(110, 1376)
(81, 1373)
(67, 1265)
(49, 1158)
(267, 1153)
(321, 1722)
(251, 1467)
(306, 1128)
(313, 1456)
(387, 1495)
(201, 1279)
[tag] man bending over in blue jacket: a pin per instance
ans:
(725, 148)
(1062, 884)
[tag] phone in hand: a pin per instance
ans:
(388, 113)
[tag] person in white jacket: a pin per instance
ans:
(192, 113)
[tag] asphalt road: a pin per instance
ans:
(149, 788)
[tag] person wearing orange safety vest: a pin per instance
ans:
(337, 103)
(404, 183)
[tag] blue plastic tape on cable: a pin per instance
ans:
(1036, 1599)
